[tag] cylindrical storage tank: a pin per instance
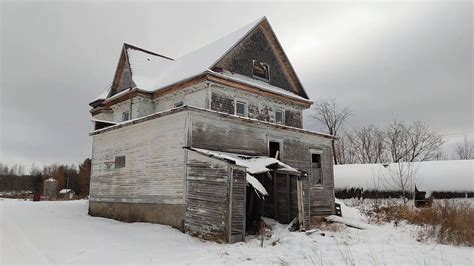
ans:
(50, 188)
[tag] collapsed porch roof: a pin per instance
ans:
(254, 164)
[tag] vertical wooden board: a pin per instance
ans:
(282, 194)
(207, 201)
(238, 205)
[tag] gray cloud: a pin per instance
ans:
(413, 60)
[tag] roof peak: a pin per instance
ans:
(127, 46)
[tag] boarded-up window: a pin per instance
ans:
(240, 108)
(261, 71)
(279, 117)
(316, 168)
(119, 161)
(125, 116)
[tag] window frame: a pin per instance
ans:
(266, 66)
(318, 153)
(245, 108)
(119, 159)
(282, 117)
(280, 147)
(123, 116)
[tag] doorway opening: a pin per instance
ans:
(274, 150)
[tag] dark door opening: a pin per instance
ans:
(257, 206)
(274, 148)
(282, 203)
(316, 169)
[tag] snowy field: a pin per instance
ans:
(61, 232)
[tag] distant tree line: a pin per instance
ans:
(396, 142)
(14, 178)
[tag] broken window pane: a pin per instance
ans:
(261, 71)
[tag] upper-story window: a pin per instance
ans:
(125, 116)
(261, 71)
(240, 108)
(279, 117)
(178, 104)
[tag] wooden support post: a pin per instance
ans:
(299, 192)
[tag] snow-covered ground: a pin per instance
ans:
(61, 232)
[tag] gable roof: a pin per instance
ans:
(152, 72)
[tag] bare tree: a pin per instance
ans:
(410, 143)
(424, 143)
(369, 144)
(464, 149)
(397, 140)
(345, 152)
(332, 117)
(401, 176)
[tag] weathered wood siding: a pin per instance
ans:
(196, 95)
(321, 192)
(227, 134)
(123, 75)
(238, 204)
(207, 197)
(255, 47)
(154, 162)
(283, 200)
(262, 108)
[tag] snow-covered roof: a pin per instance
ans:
(93, 119)
(256, 185)
(146, 67)
(254, 164)
(200, 60)
(442, 176)
(152, 72)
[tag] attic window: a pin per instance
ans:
(261, 71)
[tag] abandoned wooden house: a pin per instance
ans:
(209, 142)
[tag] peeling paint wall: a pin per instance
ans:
(154, 162)
(228, 135)
(259, 107)
(192, 96)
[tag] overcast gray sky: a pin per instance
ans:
(382, 59)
